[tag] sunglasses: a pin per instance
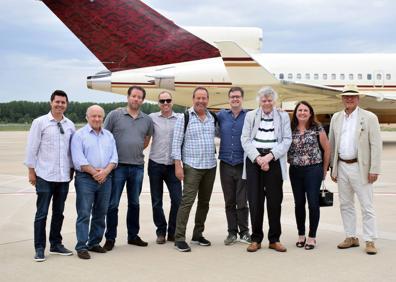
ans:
(61, 130)
(162, 101)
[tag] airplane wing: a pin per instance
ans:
(128, 34)
(249, 73)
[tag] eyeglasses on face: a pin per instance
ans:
(61, 130)
(235, 97)
(162, 101)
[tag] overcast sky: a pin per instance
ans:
(39, 54)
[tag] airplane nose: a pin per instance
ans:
(100, 81)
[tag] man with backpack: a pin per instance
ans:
(194, 153)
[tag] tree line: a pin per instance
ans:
(25, 111)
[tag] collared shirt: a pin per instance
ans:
(90, 148)
(129, 134)
(230, 129)
(48, 151)
(198, 148)
(265, 136)
(161, 146)
(348, 145)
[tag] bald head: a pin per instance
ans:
(95, 115)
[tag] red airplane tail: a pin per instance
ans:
(128, 34)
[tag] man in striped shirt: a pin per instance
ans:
(193, 150)
(50, 171)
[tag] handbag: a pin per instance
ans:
(325, 197)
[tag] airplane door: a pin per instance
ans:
(378, 79)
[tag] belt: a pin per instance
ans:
(348, 161)
(263, 151)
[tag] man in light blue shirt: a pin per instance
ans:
(94, 156)
(50, 171)
(193, 150)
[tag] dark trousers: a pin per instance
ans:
(92, 203)
(305, 182)
(132, 175)
(196, 181)
(158, 174)
(235, 198)
(265, 185)
(45, 190)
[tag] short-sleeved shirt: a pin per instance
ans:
(129, 134)
(161, 146)
(196, 146)
(304, 149)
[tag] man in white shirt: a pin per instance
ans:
(50, 171)
(355, 160)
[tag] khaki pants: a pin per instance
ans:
(196, 181)
(350, 183)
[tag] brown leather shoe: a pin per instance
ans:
(253, 247)
(160, 239)
(349, 242)
(370, 248)
(277, 246)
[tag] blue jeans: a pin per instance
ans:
(46, 190)
(305, 182)
(133, 176)
(158, 174)
(94, 198)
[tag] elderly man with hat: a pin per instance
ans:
(355, 161)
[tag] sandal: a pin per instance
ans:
(310, 246)
(301, 244)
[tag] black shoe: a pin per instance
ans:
(182, 246)
(109, 245)
(137, 242)
(301, 244)
(171, 238)
(201, 241)
(39, 256)
(60, 250)
(83, 254)
(97, 249)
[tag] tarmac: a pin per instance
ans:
(215, 263)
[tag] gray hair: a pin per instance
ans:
(95, 107)
(163, 92)
(267, 92)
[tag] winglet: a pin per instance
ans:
(241, 67)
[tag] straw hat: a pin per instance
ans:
(350, 90)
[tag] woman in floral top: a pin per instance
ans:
(307, 169)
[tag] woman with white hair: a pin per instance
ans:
(266, 137)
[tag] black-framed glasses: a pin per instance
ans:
(162, 101)
(61, 130)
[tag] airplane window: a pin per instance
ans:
(299, 76)
(379, 76)
(342, 76)
(324, 76)
(388, 76)
(316, 76)
(290, 76)
(307, 76)
(360, 76)
(369, 76)
(281, 76)
(333, 76)
(351, 76)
